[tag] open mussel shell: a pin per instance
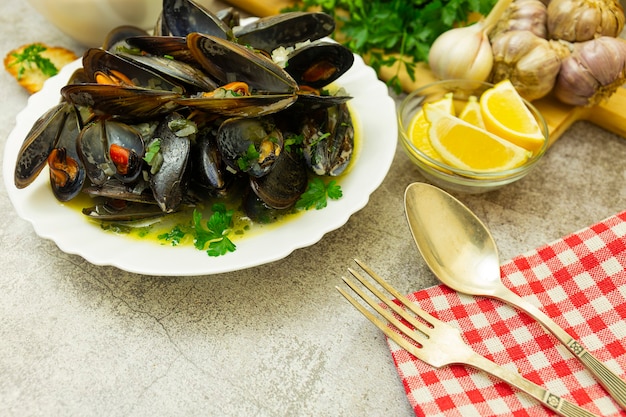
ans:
(110, 68)
(285, 29)
(208, 169)
(94, 148)
(169, 184)
(126, 149)
(328, 140)
(227, 61)
(172, 46)
(244, 106)
(307, 103)
(39, 141)
(284, 183)
(122, 210)
(259, 212)
(118, 35)
(115, 189)
(126, 103)
(319, 63)
(180, 73)
(66, 169)
(230, 16)
(182, 17)
(249, 145)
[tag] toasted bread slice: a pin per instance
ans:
(32, 78)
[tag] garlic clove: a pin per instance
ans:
(530, 62)
(462, 53)
(530, 15)
(593, 71)
(583, 20)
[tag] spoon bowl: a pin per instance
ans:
(459, 249)
(469, 264)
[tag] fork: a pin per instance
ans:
(438, 343)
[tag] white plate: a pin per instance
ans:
(375, 116)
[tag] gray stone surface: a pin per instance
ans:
(79, 339)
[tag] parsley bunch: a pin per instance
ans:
(379, 28)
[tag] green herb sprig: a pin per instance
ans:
(318, 193)
(214, 231)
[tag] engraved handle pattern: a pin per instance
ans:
(607, 378)
(614, 385)
(555, 403)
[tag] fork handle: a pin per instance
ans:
(614, 385)
(552, 401)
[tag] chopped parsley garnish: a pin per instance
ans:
(318, 193)
(295, 140)
(174, 236)
(245, 161)
(153, 155)
(214, 231)
(31, 57)
(153, 148)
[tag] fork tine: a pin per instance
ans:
(388, 331)
(408, 303)
(417, 325)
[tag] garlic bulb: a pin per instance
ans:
(527, 60)
(593, 71)
(531, 15)
(462, 53)
(465, 52)
(583, 20)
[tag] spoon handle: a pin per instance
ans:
(607, 378)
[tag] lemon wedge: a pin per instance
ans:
(469, 147)
(418, 126)
(471, 112)
(505, 114)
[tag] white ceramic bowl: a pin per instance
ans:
(89, 21)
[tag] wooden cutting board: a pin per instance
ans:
(610, 115)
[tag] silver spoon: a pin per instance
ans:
(460, 251)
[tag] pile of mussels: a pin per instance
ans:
(153, 122)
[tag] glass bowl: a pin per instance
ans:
(446, 176)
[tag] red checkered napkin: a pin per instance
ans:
(579, 281)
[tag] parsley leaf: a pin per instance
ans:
(317, 194)
(245, 161)
(174, 236)
(215, 231)
(31, 57)
(293, 140)
(153, 156)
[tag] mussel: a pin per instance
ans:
(285, 29)
(328, 141)
(182, 17)
(226, 62)
(284, 183)
(38, 144)
(67, 172)
(250, 145)
(169, 184)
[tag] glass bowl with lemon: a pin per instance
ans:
(471, 136)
